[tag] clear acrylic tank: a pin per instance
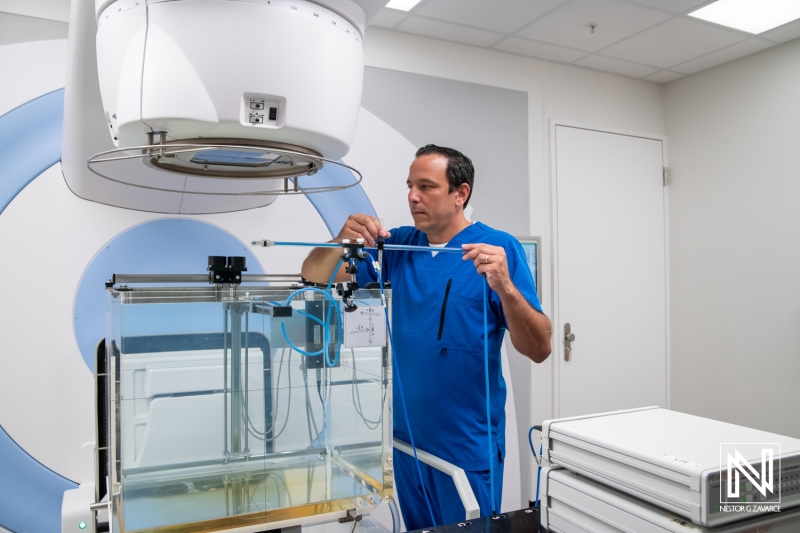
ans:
(219, 421)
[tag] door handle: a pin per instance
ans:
(568, 338)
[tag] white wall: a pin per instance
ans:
(735, 240)
(555, 92)
(38, 68)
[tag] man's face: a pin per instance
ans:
(432, 205)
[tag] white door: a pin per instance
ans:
(610, 271)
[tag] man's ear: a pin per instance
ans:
(462, 193)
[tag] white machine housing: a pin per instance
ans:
(576, 504)
(667, 458)
(289, 71)
(209, 73)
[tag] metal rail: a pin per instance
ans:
(266, 244)
(200, 278)
(153, 153)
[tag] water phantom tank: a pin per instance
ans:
(246, 95)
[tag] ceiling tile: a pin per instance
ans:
(504, 16)
(449, 32)
(676, 41)
(784, 33)
(719, 57)
(388, 18)
(610, 64)
(673, 6)
(528, 48)
(664, 76)
(569, 25)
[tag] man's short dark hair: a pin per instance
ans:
(459, 167)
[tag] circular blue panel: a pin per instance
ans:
(30, 143)
(164, 246)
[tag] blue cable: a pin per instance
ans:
(488, 403)
(333, 276)
(538, 461)
(325, 325)
(402, 396)
(538, 475)
(312, 317)
(303, 352)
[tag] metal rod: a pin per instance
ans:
(271, 277)
(273, 456)
(339, 245)
(246, 382)
(225, 380)
(247, 490)
(227, 498)
(198, 278)
(166, 278)
(236, 380)
(99, 506)
(417, 248)
(237, 495)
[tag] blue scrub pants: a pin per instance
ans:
(446, 504)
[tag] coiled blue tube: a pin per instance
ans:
(325, 325)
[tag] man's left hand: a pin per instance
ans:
(491, 261)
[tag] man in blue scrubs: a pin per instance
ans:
(439, 332)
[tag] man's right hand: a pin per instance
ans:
(320, 263)
(362, 226)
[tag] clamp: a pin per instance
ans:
(353, 251)
(226, 269)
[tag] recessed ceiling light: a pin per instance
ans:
(402, 5)
(752, 16)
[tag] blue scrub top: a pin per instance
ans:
(437, 323)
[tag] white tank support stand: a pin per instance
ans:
(471, 506)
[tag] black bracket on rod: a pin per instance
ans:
(226, 269)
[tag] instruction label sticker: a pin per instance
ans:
(365, 327)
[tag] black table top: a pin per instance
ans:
(522, 521)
